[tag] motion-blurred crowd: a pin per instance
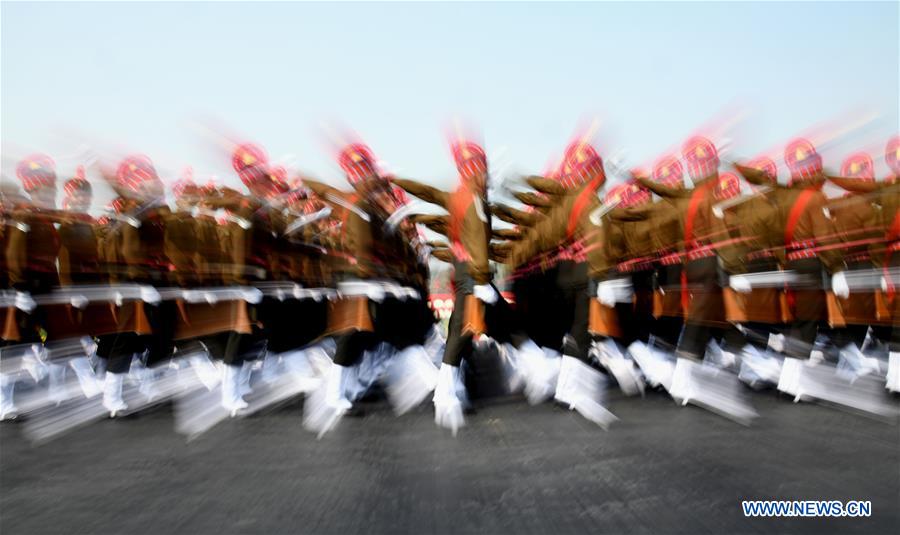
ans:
(225, 302)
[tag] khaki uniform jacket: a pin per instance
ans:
(474, 224)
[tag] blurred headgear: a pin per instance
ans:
(728, 186)
(766, 165)
(701, 157)
(134, 171)
(470, 159)
(36, 171)
(859, 165)
(802, 160)
(581, 164)
(668, 172)
(358, 162)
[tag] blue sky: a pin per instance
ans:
(143, 75)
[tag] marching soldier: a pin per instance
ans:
(359, 272)
(585, 255)
(805, 229)
(138, 240)
(478, 308)
(757, 308)
(31, 248)
(855, 220)
(886, 195)
(709, 257)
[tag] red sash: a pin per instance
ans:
(795, 214)
(789, 228)
(459, 204)
(693, 206)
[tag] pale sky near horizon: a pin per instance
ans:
(144, 75)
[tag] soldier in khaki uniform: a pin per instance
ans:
(536, 303)
(356, 262)
(32, 243)
(478, 307)
(586, 254)
(703, 242)
(666, 237)
(709, 257)
(637, 263)
(886, 252)
(250, 237)
(806, 232)
(855, 218)
(31, 246)
(138, 242)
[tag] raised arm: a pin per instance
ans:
(443, 255)
(755, 176)
(661, 189)
(516, 217)
(545, 185)
(423, 191)
(634, 213)
(533, 199)
(507, 234)
(322, 190)
(856, 185)
(437, 223)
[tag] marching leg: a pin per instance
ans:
(112, 393)
(232, 400)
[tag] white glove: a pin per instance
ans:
(150, 295)
(412, 293)
(884, 284)
(24, 302)
(375, 293)
(79, 301)
(606, 294)
(839, 285)
(740, 284)
(486, 293)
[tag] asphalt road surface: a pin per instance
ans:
(512, 469)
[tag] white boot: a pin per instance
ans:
(231, 396)
(683, 381)
(447, 407)
(759, 368)
(564, 384)
(335, 393)
(302, 370)
(852, 363)
(147, 381)
(244, 377)
(513, 367)
(112, 393)
(86, 379)
(585, 388)
(657, 366)
(790, 379)
(8, 410)
(56, 383)
(541, 373)
(205, 371)
(411, 377)
(326, 405)
(893, 373)
(622, 368)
